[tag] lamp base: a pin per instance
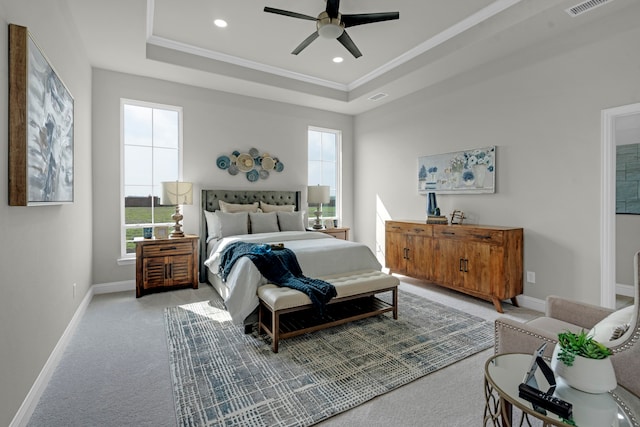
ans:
(177, 229)
(317, 224)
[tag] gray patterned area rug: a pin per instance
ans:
(222, 377)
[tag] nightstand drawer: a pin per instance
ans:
(167, 248)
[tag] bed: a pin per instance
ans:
(318, 254)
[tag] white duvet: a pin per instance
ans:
(318, 255)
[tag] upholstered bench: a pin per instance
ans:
(285, 312)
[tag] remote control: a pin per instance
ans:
(546, 400)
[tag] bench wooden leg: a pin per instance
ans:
(395, 303)
(275, 329)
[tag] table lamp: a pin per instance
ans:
(318, 194)
(177, 193)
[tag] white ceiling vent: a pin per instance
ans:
(378, 96)
(585, 6)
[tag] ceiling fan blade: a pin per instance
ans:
(332, 8)
(288, 13)
(368, 18)
(346, 41)
(305, 43)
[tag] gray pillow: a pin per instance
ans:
(291, 221)
(232, 224)
(263, 222)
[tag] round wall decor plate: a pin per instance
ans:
(279, 166)
(244, 162)
(233, 170)
(223, 162)
(264, 174)
(268, 163)
(253, 175)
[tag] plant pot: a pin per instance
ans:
(589, 375)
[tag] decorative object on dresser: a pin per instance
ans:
(457, 217)
(163, 264)
(40, 126)
(483, 261)
(317, 195)
(318, 375)
(177, 193)
(253, 164)
(461, 172)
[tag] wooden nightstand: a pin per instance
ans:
(338, 233)
(164, 264)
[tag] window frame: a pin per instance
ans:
(338, 168)
(123, 225)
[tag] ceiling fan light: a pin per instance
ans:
(330, 31)
(221, 23)
(338, 59)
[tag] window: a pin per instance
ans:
(151, 154)
(324, 167)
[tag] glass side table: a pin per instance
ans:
(504, 372)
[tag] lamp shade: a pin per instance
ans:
(177, 193)
(318, 194)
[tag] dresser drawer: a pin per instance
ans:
(168, 248)
(409, 228)
(469, 234)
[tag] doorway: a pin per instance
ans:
(608, 206)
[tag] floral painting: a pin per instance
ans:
(464, 172)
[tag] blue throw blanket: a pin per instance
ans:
(280, 267)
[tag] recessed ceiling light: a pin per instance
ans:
(338, 59)
(220, 23)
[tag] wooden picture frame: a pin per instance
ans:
(41, 121)
(161, 232)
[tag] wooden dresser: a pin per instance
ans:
(163, 264)
(483, 261)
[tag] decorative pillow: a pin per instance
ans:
(232, 224)
(237, 207)
(263, 222)
(213, 225)
(266, 207)
(604, 330)
(291, 221)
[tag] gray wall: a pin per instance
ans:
(45, 249)
(215, 123)
(541, 107)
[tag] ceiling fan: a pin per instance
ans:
(331, 24)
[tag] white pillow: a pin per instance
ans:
(263, 222)
(603, 330)
(236, 207)
(266, 207)
(291, 221)
(213, 225)
(232, 224)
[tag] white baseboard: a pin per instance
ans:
(107, 288)
(29, 404)
(531, 303)
(625, 290)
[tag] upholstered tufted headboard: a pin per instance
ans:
(210, 199)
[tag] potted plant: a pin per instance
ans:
(583, 363)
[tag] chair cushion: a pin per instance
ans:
(554, 326)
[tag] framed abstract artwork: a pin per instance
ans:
(40, 126)
(460, 172)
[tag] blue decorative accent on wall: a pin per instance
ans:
(628, 179)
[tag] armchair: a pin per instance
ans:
(561, 315)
